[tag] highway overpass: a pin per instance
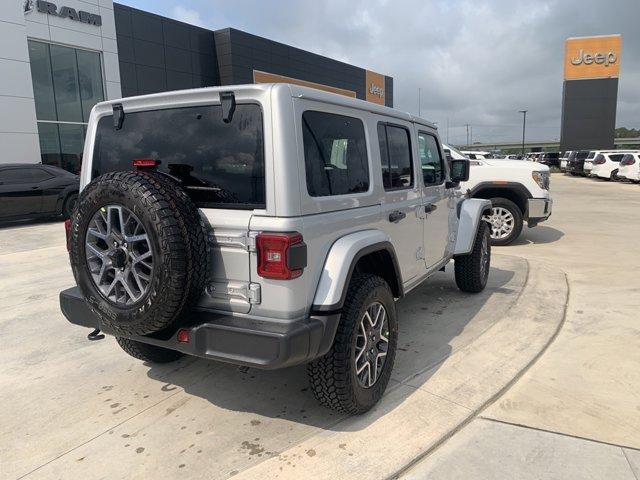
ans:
(538, 146)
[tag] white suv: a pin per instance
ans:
(267, 225)
(605, 163)
(629, 168)
(518, 191)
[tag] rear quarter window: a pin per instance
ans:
(335, 154)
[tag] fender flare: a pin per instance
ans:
(340, 263)
(470, 212)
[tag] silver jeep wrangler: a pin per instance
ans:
(266, 226)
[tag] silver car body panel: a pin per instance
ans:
(336, 268)
(471, 212)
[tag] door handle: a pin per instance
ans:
(430, 207)
(396, 216)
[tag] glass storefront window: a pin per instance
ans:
(64, 65)
(91, 88)
(42, 81)
(67, 83)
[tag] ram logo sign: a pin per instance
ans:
(50, 8)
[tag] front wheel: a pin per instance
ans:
(472, 270)
(505, 221)
(354, 374)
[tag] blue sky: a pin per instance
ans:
(476, 62)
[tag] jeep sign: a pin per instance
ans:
(63, 12)
(592, 57)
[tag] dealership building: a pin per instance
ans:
(59, 58)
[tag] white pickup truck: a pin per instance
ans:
(518, 191)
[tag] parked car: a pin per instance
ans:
(550, 159)
(629, 168)
(575, 162)
(606, 165)
(277, 229)
(476, 154)
(30, 190)
(564, 160)
(589, 161)
(519, 191)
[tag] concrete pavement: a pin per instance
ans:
(77, 409)
(576, 412)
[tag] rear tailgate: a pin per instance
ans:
(229, 286)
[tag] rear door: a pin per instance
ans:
(436, 199)
(19, 194)
(402, 202)
(50, 187)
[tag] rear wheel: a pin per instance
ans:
(505, 220)
(614, 176)
(69, 204)
(354, 374)
(148, 353)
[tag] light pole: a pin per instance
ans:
(524, 124)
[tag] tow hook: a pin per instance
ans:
(95, 335)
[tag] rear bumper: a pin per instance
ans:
(254, 342)
(538, 210)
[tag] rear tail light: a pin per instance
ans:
(599, 160)
(281, 256)
(628, 161)
(139, 163)
(67, 231)
(183, 335)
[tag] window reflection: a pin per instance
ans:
(67, 83)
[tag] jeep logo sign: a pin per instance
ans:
(592, 57)
(63, 12)
(599, 58)
(374, 87)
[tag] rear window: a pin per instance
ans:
(582, 155)
(220, 164)
(591, 155)
(617, 157)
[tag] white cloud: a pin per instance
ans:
(476, 61)
(187, 15)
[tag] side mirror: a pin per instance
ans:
(459, 171)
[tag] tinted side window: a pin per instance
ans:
(616, 158)
(395, 156)
(15, 176)
(335, 154)
(38, 175)
(430, 159)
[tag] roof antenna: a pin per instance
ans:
(228, 102)
(118, 116)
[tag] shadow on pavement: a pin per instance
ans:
(431, 319)
(539, 235)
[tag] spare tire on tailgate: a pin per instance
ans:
(139, 251)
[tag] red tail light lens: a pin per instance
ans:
(145, 163)
(599, 160)
(183, 335)
(281, 256)
(67, 231)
